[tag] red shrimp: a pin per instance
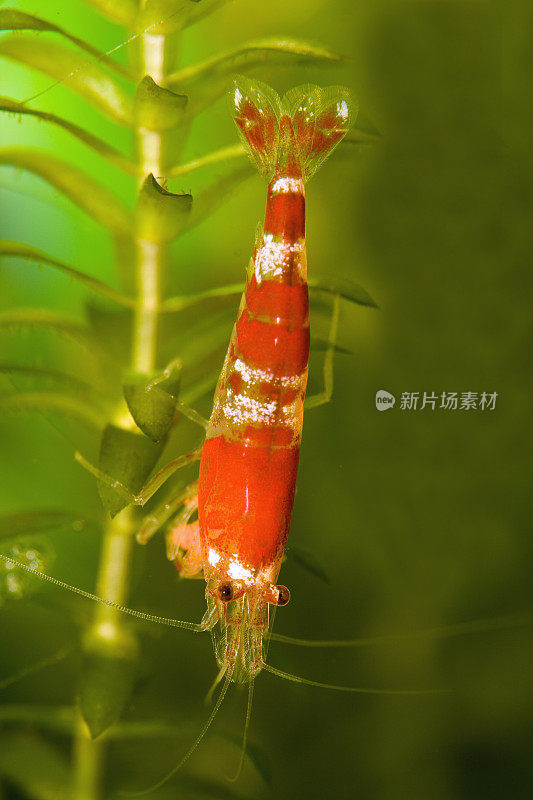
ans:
(249, 460)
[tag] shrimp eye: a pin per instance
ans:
(284, 596)
(277, 595)
(225, 592)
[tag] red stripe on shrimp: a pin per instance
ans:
(285, 213)
(278, 302)
(247, 494)
(273, 347)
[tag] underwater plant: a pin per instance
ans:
(119, 292)
(142, 355)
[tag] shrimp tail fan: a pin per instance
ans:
(294, 134)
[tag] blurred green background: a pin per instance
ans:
(421, 519)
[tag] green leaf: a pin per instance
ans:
(198, 9)
(98, 145)
(224, 155)
(99, 362)
(152, 400)
(127, 457)
(111, 328)
(161, 17)
(364, 131)
(90, 196)
(206, 81)
(307, 561)
(173, 304)
(207, 201)
(161, 215)
(252, 54)
(156, 108)
(29, 670)
(261, 761)
(38, 520)
(122, 11)
(320, 345)
(345, 288)
(34, 766)
(85, 78)
(168, 16)
(357, 138)
(105, 688)
(15, 20)
(55, 322)
(201, 340)
(50, 375)
(257, 755)
(61, 719)
(62, 404)
(24, 251)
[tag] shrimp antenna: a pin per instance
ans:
(245, 733)
(459, 629)
(358, 690)
(172, 623)
(195, 744)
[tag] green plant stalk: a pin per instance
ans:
(116, 551)
(150, 255)
(87, 758)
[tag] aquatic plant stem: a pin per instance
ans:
(150, 255)
(87, 760)
(117, 544)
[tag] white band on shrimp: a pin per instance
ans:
(288, 185)
(275, 255)
(256, 375)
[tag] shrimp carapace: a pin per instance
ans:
(249, 460)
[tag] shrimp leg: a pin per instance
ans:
(191, 414)
(151, 487)
(155, 520)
